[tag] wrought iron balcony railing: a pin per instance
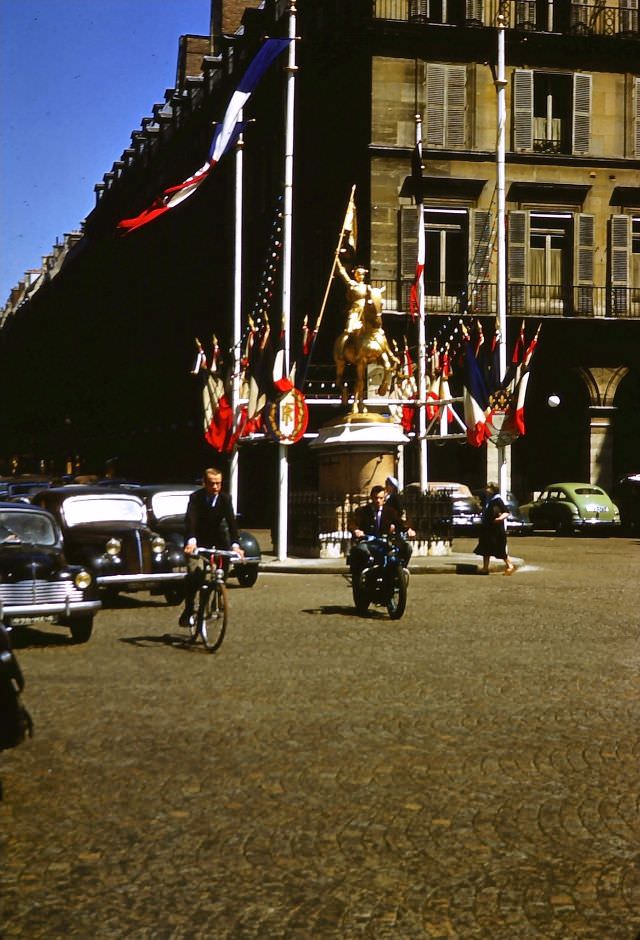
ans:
(573, 18)
(536, 300)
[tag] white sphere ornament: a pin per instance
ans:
(553, 401)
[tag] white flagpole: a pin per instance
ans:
(501, 87)
(283, 464)
(422, 340)
(237, 312)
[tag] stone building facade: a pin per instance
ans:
(117, 317)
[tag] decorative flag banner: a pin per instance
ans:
(476, 399)
(223, 138)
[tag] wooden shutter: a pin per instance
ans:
(517, 260)
(619, 258)
(408, 239)
(525, 12)
(583, 252)
(474, 10)
(629, 16)
(581, 113)
(446, 105)
(636, 116)
(523, 109)
(481, 238)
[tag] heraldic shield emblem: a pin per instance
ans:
(286, 419)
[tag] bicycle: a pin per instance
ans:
(211, 611)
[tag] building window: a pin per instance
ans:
(445, 272)
(551, 112)
(624, 265)
(446, 101)
(550, 263)
(453, 12)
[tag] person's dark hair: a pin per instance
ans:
(375, 490)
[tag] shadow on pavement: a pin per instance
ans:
(334, 610)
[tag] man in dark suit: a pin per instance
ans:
(210, 520)
(376, 518)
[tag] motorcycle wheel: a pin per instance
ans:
(360, 597)
(398, 597)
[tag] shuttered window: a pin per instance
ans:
(581, 113)
(523, 109)
(408, 239)
(517, 259)
(551, 111)
(635, 111)
(446, 105)
(481, 240)
(526, 12)
(619, 263)
(584, 247)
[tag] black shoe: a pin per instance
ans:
(186, 618)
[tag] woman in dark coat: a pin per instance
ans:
(493, 533)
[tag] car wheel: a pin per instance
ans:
(81, 628)
(247, 575)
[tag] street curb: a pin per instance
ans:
(456, 563)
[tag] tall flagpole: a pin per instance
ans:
(283, 464)
(422, 331)
(237, 311)
(501, 87)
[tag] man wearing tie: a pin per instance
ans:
(210, 520)
(376, 518)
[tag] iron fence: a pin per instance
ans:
(318, 522)
(536, 300)
(576, 18)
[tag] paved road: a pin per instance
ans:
(471, 771)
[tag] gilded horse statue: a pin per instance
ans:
(363, 346)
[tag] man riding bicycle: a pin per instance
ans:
(210, 520)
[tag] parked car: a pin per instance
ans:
(516, 523)
(166, 507)
(466, 508)
(21, 488)
(572, 507)
(36, 582)
(626, 494)
(107, 531)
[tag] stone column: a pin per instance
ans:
(601, 446)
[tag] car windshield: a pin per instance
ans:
(169, 504)
(588, 491)
(32, 527)
(78, 510)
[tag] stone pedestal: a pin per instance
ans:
(357, 453)
(354, 454)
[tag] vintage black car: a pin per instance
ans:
(166, 507)
(107, 531)
(36, 583)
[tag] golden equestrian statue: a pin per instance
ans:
(363, 340)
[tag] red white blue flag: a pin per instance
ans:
(223, 139)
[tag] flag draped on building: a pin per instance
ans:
(223, 139)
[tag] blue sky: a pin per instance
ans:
(76, 77)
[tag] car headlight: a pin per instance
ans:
(82, 580)
(114, 547)
(158, 544)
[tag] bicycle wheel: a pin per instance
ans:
(212, 616)
(398, 598)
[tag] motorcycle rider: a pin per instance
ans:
(379, 518)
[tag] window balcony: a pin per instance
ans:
(534, 300)
(572, 18)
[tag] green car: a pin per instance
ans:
(567, 508)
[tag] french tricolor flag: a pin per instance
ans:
(223, 139)
(476, 400)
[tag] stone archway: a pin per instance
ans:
(602, 384)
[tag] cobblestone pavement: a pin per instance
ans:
(470, 771)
